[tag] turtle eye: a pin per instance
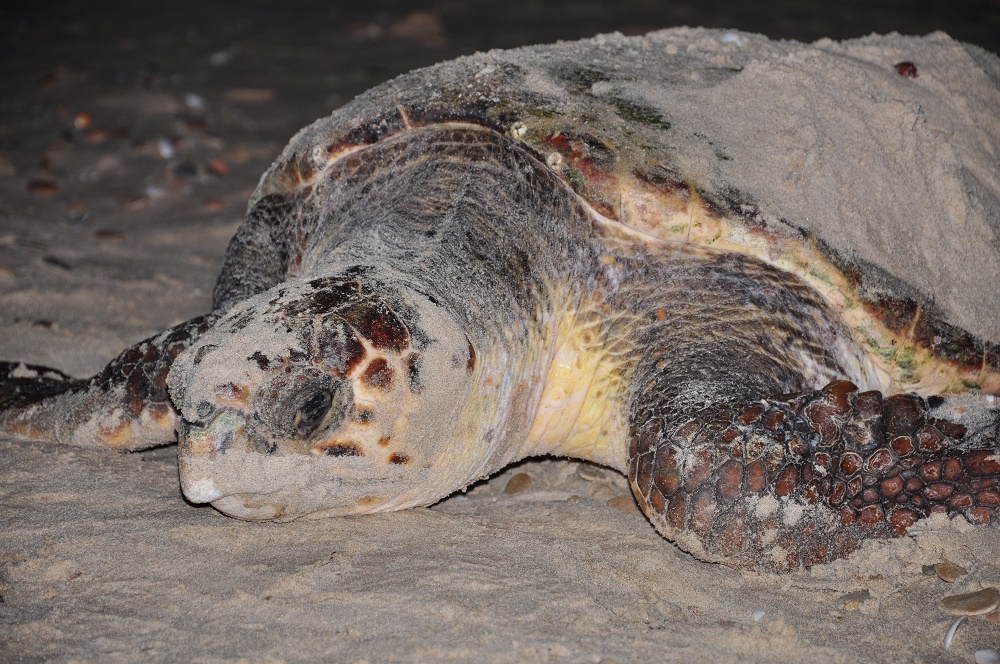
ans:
(312, 413)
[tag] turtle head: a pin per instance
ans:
(323, 397)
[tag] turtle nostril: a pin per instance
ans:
(205, 409)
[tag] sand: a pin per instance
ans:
(123, 172)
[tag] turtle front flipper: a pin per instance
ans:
(124, 407)
(804, 479)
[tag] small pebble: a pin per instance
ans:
(989, 656)
(57, 262)
(220, 58)
(853, 601)
(950, 635)
(589, 473)
(949, 571)
(423, 27)
(77, 213)
(906, 69)
(623, 503)
(195, 121)
(218, 168)
(165, 147)
(81, 121)
(972, 604)
(154, 191)
(249, 95)
(195, 102)
(518, 483)
(733, 38)
(43, 187)
(758, 614)
(600, 490)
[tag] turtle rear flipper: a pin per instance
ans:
(124, 407)
(804, 479)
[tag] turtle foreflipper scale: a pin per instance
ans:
(804, 479)
(125, 406)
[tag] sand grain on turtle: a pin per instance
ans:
(507, 255)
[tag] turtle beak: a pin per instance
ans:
(197, 447)
(201, 452)
(196, 443)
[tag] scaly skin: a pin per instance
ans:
(125, 406)
(804, 479)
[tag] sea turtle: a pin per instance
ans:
(511, 255)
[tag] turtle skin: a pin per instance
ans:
(129, 395)
(423, 298)
(852, 465)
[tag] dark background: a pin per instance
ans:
(481, 24)
(36, 35)
(314, 56)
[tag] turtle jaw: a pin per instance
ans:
(248, 508)
(229, 462)
(220, 464)
(198, 444)
(201, 454)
